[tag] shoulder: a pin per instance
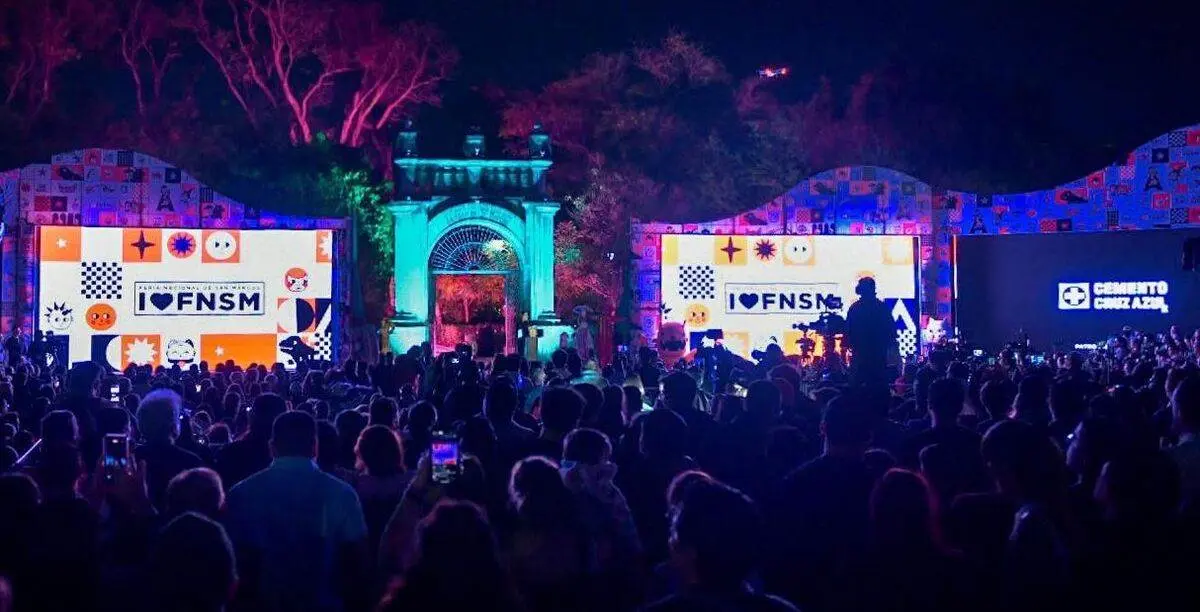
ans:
(668, 604)
(186, 456)
(336, 486)
(750, 602)
(246, 486)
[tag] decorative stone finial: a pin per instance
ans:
(539, 143)
(406, 140)
(475, 145)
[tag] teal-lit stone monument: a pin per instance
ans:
(473, 215)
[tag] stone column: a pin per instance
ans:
(539, 250)
(410, 224)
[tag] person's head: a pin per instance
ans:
(294, 434)
(823, 395)
(58, 470)
(613, 413)
(421, 417)
(878, 462)
(500, 402)
(158, 416)
(384, 412)
(1024, 463)
(453, 541)
(561, 410)
(633, 400)
(664, 435)
(682, 483)
(788, 372)
(904, 516)
(1030, 404)
(267, 407)
(196, 490)
(559, 357)
(786, 449)
(219, 435)
(192, 565)
(679, 391)
(865, 287)
(1095, 441)
(463, 402)
(942, 469)
(329, 447)
(379, 452)
(536, 490)
(60, 427)
(846, 427)
(997, 397)
(1140, 487)
(763, 401)
(83, 378)
(716, 536)
(19, 498)
(729, 408)
(586, 446)
(1185, 405)
(574, 364)
(113, 420)
(1066, 401)
(946, 396)
(593, 401)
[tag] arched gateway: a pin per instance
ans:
(473, 217)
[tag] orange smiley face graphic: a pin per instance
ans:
(697, 315)
(101, 317)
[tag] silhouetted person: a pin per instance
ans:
(871, 333)
(299, 533)
(716, 545)
(192, 567)
(158, 421)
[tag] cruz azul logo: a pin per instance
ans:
(781, 298)
(1109, 295)
(198, 298)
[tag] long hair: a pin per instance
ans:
(539, 495)
(379, 452)
(454, 543)
(904, 514)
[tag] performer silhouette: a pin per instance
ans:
(870, 333)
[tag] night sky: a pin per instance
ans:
(1083, 81)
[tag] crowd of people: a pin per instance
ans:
(978, 483)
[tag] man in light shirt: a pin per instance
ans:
(299, 533)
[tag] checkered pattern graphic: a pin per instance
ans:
(907, 340)
(125, 158)
(1179, 216)
(1177, 139)
(100, 280)
(323, 345)
(697, 283)
(1112, 218)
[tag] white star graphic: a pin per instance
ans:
(141, 351)
(326, 245)
(220, 351)
(61, 243)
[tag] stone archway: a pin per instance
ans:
(427, 244)
(441, 196)
(478, 267)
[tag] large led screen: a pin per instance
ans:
(1072, 288)
(121, 296)
(762, 289)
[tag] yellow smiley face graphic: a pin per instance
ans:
(696, 315)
